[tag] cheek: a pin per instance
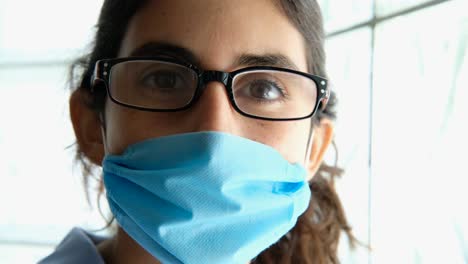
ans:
(288, 138)
(125, 126)
(120, 132)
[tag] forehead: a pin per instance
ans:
(217, 32)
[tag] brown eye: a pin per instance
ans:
(165, 80)
(262, 89)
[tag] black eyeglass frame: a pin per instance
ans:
(103, 68)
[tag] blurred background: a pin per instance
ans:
(400, 70)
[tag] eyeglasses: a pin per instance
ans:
(167, 85)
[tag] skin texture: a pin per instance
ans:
(217, 33)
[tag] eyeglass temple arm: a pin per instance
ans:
(95, 78)
(325, 99)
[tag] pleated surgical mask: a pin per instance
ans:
(205, 197)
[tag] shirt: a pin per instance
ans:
(77, 247)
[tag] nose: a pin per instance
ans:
(213, 111)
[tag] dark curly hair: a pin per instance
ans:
(315, 237)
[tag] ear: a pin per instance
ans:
(87, 127)
(322, 138)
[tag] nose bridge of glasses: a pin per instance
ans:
(216, 76)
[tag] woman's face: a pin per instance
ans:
(223, 36)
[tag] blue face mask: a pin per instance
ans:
(204, 197)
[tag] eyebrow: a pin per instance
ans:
(274, 60)
(184, 54)
(165, 49)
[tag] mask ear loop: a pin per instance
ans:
(309, 145)
(322, 104)
(102, 118)
(103, 131)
